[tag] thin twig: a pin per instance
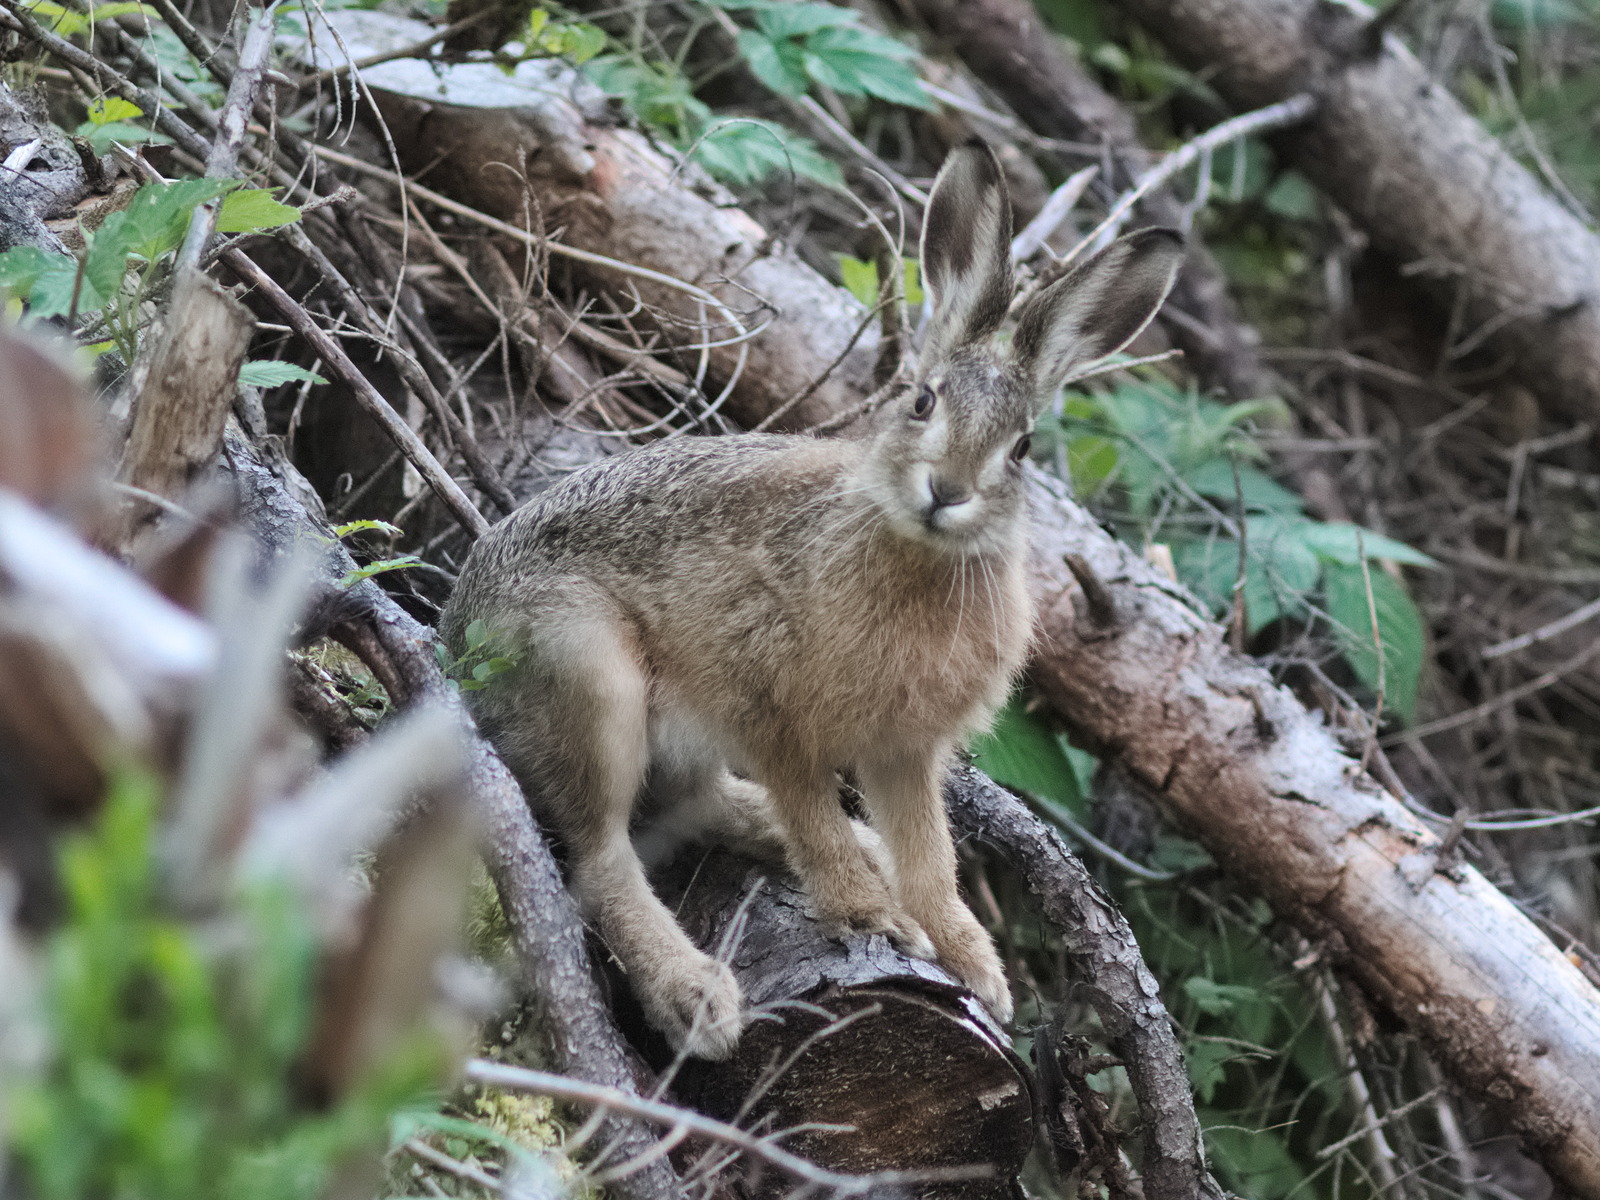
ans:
(1545, 632)
(765, 1148)
(370, 399)
(1275, 116)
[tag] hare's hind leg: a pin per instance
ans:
(693, 797)
(598, 695)
(904, 797)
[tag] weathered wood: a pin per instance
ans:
(183, 401)
(850, 1033)
(1261, 782)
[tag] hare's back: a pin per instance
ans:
(663, 511)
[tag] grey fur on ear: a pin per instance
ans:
(1097, 308)
(966, 250)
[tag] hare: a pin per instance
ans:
(715, 626)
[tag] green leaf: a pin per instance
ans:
(107, 262)
(780, 21)
(1214, 478)
(1090, 461)
(780, 65)
(350, 578)
(1020, 752)
(576, 41)
(441, 656)
(860, 278)
(746, 150)
(270, 372)
(1342, 542)
(477, 634)
(1217, 999)
(112, 108)
(21, 267)
(158, 215)
(250, 210)
(1206, 1062)
(860, 62)
(349, 527)
(1399, 628)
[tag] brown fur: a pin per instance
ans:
(714, 627)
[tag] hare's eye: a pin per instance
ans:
(1020, 450)
(923, 404)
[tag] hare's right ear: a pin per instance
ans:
(966, 250)
(1097, 308)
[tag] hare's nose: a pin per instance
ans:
(946, 494)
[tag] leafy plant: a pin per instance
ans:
(68, 22)
(797, 44)
(569, 39)
(135, 242)
(740, 151)
(479, 663)
(1187, 472)
(174, 1048)
(272, 372)
(111, 119)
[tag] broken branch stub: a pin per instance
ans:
(184, 396)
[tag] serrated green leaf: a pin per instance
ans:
(21, 266)
(112, 108)
(1214, 478)
(1399, 627)
(267, 373)
(378, 568)
(250, 210)
(1217, 999)
(108, 254)
(1206, 1062)
(779, 21)
(780, 65)
(746, 151)
(158, 215)
(860, 62)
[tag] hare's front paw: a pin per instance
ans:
(698, 1005)
(868, 907)
(968, 953)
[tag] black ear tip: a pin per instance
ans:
(1158, 234)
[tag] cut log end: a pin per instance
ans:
(879, 1062)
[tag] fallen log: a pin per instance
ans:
(1400, 154)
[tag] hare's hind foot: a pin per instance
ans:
(696, 1002)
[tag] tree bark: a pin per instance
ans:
(1400, 154)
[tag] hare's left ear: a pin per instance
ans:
(1097, 308)
(966, 250)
